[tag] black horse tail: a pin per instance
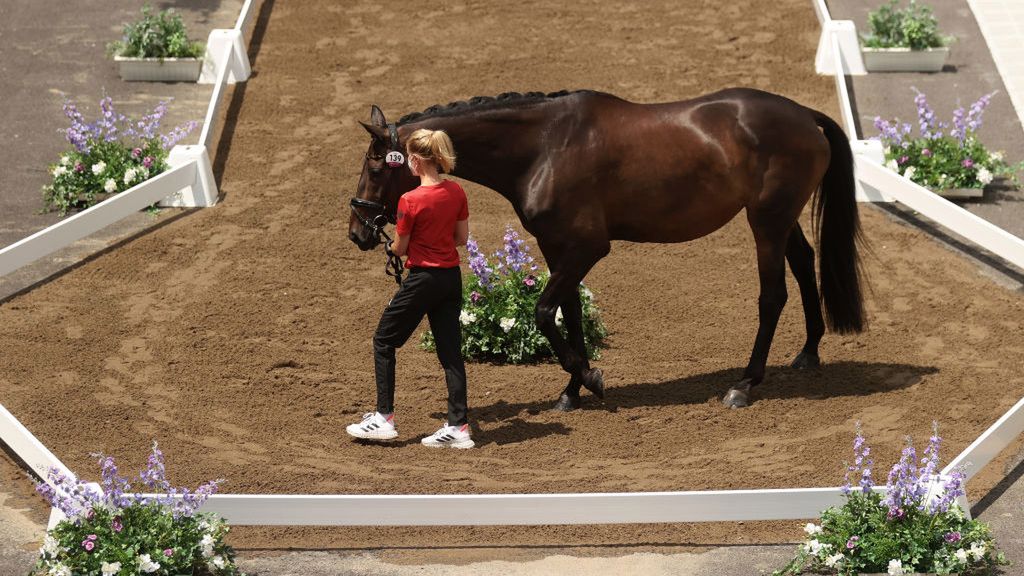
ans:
(837, 227)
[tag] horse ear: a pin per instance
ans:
(378, 132)
(377, 117)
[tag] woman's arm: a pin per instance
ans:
(399, 247)
(461, 232)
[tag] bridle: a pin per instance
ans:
(393, 266)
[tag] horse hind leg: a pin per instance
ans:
(800, 256)
(771, 272)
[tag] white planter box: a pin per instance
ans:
(960, 193)
(159, 70)
(904, 59)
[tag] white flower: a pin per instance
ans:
(961, 555)
(892, 165)
(507, 323)
(587, 293)
(99, 167)
(942, 178)
(65, 160)
(143, 171)
(558, 316)
(814, 547)
(812, 529)
(59, 570)
(59, 171)
(909, 172)
(129, 175)
(51, 546)
(834, 559)
(110, 185)
(984, 176)
(997, 156)
(895, 568)
(219, 561)
(207, 544)
(110, 568)
(977, 550)
(467, 318)
(147, 565)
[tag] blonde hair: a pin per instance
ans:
(433, 145)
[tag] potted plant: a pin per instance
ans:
(915, 527)
(904, 40)
(498, 307)
(949, 159)
(109, 156)
(113, 530)
(157, 49)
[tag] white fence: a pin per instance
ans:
(188, 182)
(605, 508)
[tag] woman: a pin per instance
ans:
(433, 220)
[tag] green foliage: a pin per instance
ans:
(160, 35)
(913, 27)
(499, 309)
(81, 179)
(191, 545)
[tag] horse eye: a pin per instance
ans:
(376, 171)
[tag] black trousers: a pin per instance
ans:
(436, 292)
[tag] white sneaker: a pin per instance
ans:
(450, 437)
(375, 426)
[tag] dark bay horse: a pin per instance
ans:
(584, 168)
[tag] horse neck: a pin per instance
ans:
(491, 151)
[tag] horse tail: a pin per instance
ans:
(836, 225)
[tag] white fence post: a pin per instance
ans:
(203, 190)
(215, 60)
(849, 48)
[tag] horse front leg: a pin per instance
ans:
(572, 315)
(562, 290)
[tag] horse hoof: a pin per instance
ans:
(594, 381)
(737, 396)
(806, 360)
(567, 403)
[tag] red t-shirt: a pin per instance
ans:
(428, 215)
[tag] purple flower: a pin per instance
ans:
(479, 265)
(474, 297)
(967, 163)
(514, 256)
(852, 542)
(903, 159)
(896, 513)
(92, 537)
(136, 152)
(925, 115)
(88, 545)
(926, 152)
(952, 537)
(147, 161)
(116, 525)
(861, 463)
(530, 280)
(79, 167)
(169, 552)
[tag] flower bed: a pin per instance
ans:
(916, 526)
(117, 531)
(499, 304)
(943, 156)
(109, 156)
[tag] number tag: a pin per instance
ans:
(394, 159)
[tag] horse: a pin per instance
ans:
(583, 168)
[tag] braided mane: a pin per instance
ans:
(504, 100)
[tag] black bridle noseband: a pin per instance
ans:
(393, 267)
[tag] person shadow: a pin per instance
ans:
(829, 381)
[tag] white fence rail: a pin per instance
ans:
(95, 218)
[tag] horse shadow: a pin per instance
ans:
(829, 381)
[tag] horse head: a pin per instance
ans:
(384, 178)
